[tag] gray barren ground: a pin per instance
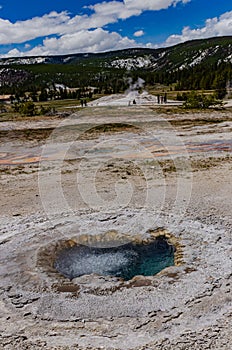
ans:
(126, 173)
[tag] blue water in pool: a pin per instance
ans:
(125, 261)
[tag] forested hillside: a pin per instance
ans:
(198, 64)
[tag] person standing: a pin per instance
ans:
(165, 97)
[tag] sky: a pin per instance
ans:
(34, 28)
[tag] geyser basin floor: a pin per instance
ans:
(184, 307)
(125, 261)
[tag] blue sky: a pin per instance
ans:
(30, 27)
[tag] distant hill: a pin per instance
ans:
(196, 64)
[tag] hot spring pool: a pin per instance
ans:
(124, 261)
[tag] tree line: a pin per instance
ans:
(215, 76)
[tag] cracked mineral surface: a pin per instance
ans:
(125, 174)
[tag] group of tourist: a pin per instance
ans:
(162, 98)
(83, 103)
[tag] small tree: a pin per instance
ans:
(26, 108)
(33, 96)
(195, 100)
(45, 110)
(43, 95)
(16, 107)
(220, 93)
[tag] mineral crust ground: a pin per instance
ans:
(129, 173)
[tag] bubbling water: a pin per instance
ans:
(125, 261)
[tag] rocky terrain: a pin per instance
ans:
(110, 174)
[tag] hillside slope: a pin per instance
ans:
(210, 58)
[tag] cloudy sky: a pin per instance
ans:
(29, 27)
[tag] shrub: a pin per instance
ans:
(195, 100)
(28, 108)
(25, 108)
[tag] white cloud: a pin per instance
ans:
(114, 9)
(122, 10)
(85, 33)
(97, 40)
(78, 38)
(22, 31)
(62, 23)
(152, 5)
(81, 33)
(139, 33)
(13, 53)
(213, 27)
